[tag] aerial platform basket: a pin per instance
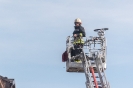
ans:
(78, 66)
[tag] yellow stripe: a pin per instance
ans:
(81, 34)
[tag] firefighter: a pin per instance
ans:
(78, 35)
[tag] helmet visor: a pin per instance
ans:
(77, 23)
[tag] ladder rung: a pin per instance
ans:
(93, 63)
(95, 76)
(98, 87)
(86, 45)
(98, 82)
(89, 58)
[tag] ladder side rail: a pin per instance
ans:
(88, 81)
(87, 70)
(99, 72)
(99, 61)
(104, 75)
(105, 44)
(88, 64)
(109, 84)
(104, 48)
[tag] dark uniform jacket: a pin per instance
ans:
(78, 30)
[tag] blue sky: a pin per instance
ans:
(33, 35)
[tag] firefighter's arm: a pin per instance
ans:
(78, 35)
(82, 30)
(74, 34)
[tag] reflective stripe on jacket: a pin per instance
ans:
(78, 39)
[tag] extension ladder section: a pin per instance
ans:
(95, 76)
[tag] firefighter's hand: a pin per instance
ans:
(75, 35)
